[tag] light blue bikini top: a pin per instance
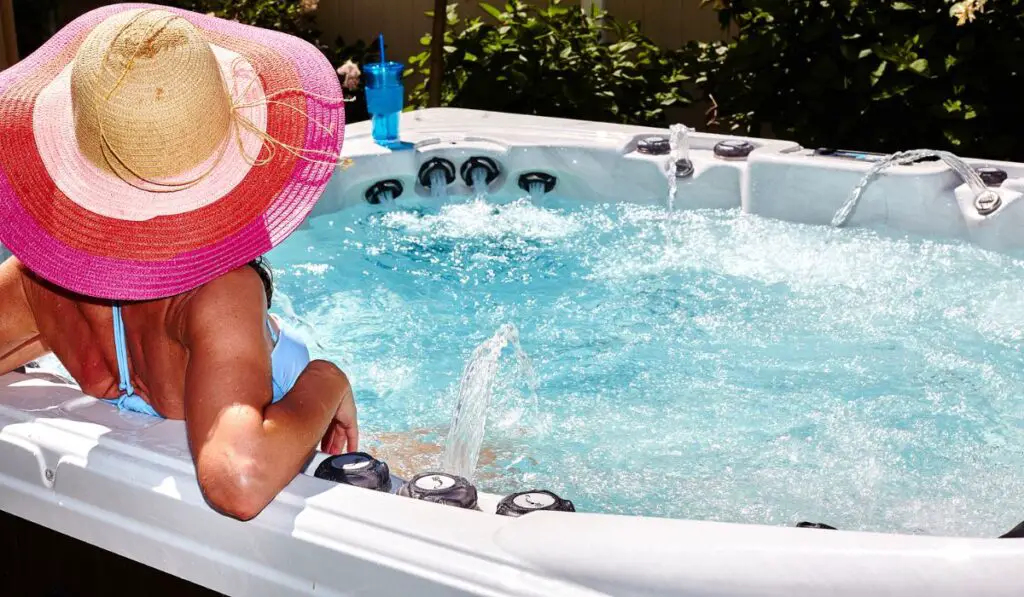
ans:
(287, 362)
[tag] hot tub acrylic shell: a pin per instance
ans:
(126, 483)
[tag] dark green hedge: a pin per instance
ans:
(867, 74)
(872, 74)
(555, 61)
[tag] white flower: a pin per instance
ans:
(350, 70)
(965, 10)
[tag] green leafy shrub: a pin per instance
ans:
(880, 75)
(554, 61)
(295, 17)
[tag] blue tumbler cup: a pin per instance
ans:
(385, 98)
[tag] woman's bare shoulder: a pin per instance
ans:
(13, 278)
(241, 285)
(19, 332)
(233, 299)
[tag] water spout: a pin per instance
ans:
(679, 141)
(462, 447)
(679, 144)
(479, 172)
(436, 174)
(438, 184)
(479, 177)
(537, 184)
(967, 174)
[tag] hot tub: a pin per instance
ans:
(750, 209)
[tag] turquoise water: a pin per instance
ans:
(714, 365)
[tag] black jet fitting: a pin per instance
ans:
(358, 469)
(441, 488)
(433, 165)
(684, 168)
(474, 163)
(375, 194)
(654, 146)
(530, 178)
(815, 525)
(733, 149)
(992, 177)
(520, 504)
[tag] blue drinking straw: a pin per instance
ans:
(381, 40)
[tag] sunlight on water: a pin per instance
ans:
(753, 371)
(513, 223)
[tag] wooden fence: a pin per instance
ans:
(8, 42)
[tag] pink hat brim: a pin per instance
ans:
(124, 278)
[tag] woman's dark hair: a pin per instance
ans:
(263, 269)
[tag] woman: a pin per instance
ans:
(150, 156)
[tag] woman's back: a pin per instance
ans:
(80, 332)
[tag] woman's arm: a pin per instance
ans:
(19, 336)
(246, 449)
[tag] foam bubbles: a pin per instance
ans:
(749, 370)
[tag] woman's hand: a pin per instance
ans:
(343, 431)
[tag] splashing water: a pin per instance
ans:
(387, 197)
(462, 448)
(479, 176)
(438, 184)
(680, 149)
(284, 304)
(725, 379)
(903, 158)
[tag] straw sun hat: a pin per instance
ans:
(144, 150)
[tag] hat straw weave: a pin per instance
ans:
(146, 89)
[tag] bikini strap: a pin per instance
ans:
(274, 336)
(121, 346)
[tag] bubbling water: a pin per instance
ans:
(735, 376)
